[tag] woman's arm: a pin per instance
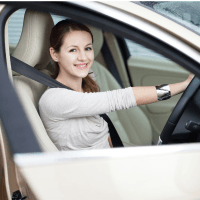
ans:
(60, 103)
(148, 94)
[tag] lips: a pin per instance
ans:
(81, 66)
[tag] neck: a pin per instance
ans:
(75, 84)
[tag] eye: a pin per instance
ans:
(72, 50)
(88, 49)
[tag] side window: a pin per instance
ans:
(139, 50)
(148, 68)
(15, 28)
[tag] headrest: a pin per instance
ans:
(33, 46)
(98, 39)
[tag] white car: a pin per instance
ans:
(135, 44)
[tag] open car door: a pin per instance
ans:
(121, 173)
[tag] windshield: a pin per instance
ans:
(186, 13)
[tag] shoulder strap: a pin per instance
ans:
(34, 74)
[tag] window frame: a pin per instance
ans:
(93, 18)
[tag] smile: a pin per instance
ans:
(81, 66)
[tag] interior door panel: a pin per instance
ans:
(151, 71)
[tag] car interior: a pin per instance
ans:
(131, 132)
(136, 126)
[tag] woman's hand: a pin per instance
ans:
(189, 79)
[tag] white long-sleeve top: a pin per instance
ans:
(72, 118)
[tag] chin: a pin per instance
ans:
(83, 76)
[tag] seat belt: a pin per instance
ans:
(34, 74)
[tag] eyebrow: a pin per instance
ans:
(77, 46)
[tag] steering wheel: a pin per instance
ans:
(178, 111)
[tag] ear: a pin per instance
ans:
(53, 53)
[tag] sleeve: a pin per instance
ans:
(64, 104)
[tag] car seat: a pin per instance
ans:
(33, 50)
(132, 124)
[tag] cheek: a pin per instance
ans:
(91, 55)
(68, 57)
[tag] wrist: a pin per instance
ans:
(186, 83)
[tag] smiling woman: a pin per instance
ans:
(72, 118)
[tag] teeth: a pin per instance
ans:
(80, 65)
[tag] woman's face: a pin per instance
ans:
(76, 55)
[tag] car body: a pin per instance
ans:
(143, 170)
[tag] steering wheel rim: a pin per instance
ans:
(178, 111)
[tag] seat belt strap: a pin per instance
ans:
(34, 74)
(116, 140)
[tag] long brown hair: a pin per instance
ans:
(56, 40)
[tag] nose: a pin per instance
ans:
(82, 55)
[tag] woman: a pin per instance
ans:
(71, 117)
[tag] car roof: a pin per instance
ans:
(188, 36)
(185, 13)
